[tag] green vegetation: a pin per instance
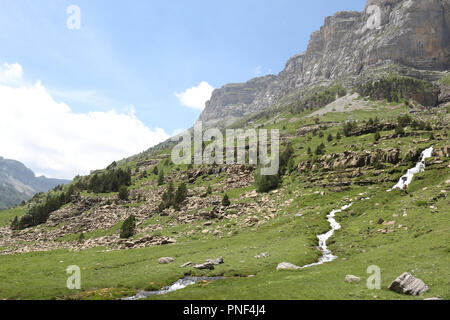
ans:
(395, 88)
(123, 193)
(128, 227)
(284, 223)
(265, 183)
(319, 98)
(225, 200)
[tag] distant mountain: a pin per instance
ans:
(18, 183)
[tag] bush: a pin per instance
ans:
(377, 136)
(15, 224)
(330, 137)
(109, 181)
(285, 156)
(404, 120)
(266, 183)
(399, 130)
(320, 150)
(155, 170)
(348, 128)
(225, 201)
(180, 195)
(128, 227)
(161, 178)
(123, 193)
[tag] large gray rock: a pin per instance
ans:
(407, 284)
(413, 40)
(287, 266)
(215, 261)
(166, 260)
(352, 279)
(205, 266)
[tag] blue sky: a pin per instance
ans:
(140, 53)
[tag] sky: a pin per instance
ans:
(80, 89)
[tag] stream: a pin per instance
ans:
(178, 285)
(405, 180)
(327, 255)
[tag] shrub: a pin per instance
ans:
(377, 136)
(320, 150)
(123, 193)
(180, 195)
(155, 170)
(348, 128)
(399, 130)
(81, 237)
(161, 178)
(266, 183)
(285, 157)
(15, 223)
(404, 120)
(225, 201)
(330, 137)
(128, 227)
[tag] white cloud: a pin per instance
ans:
(196, 97)
(51, 139)
(11, 73)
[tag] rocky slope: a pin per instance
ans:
(413, 39)
(18, 183)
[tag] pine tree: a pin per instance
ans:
(15, 224)
(330, 137)
(161, 178)
(180, 195)
(123, 193)
(155, 171)
(225, 201)
(377, 136)
(128, 227)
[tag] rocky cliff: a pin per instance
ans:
(408, 37)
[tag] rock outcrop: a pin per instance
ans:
(412, 39)
(407, 284)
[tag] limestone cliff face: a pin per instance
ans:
(413, 37)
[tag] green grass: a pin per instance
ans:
(422, 249)
(7, 215)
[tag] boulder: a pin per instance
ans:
(407, 284)
(166, 260)
(352, 279)
(287, 266)
(204, 266)
(215, 261)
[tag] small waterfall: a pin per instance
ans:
(420, 167)
(327, 255)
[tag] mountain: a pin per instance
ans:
(413, 40)
(18, 183)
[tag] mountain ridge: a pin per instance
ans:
(412, 40)
(19, 183)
